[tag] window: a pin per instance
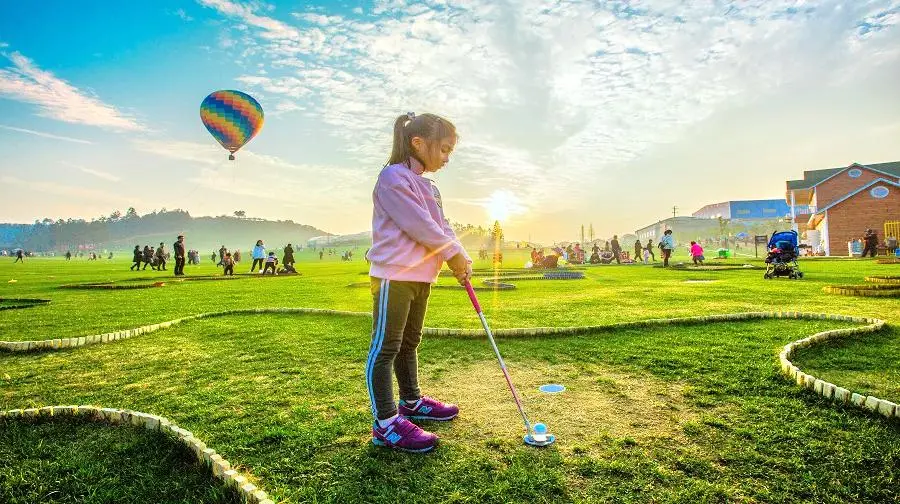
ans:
(854, 173)
(743, 212)
(879, 192)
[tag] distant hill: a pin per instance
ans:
(124, 232)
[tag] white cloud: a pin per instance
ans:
(57, 99)
(182, 14)
(91, 171)
(549, 96)
(45, 135)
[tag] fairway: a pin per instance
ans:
(674, 412)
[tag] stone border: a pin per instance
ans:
(162, 281)
(221, 468)
(26, 303)
(879, 286)
(884, 279)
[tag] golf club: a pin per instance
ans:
(536, 435)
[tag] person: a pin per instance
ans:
(222, 251)
(288, 258)
(20, 256)
(891, 243)
(161, 257)
(228, 264)
(68, 255)
(616, 248)
(271, 263)
(178, 247)
(871, 242)
(259, 256)
(697, 253)
(411, 239)
(137, 258)
(237, 256)
(320, 254)
(649, 249)
(147, 256)
(638, 250)
(667, 244)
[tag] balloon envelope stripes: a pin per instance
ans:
(232, 118)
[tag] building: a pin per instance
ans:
(684, 228)
(746, 209)
(836, 205)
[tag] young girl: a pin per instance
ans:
(228, 264)
(271, 263)
(697, 253)
(411, 239)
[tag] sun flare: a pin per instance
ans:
(503, 204)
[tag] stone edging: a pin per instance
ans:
(26, 303)
(221, 468)
(878, 286)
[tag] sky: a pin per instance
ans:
(603, 113)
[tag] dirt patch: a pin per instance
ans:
(598, 403)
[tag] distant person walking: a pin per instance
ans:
(222, 251)
(649, 248)
(178, 247)
(259, 256)
(638, 250)
(667, 244)
(228, 264)
(616, 248)
(136, 259)
(20, 256)
(161, 257)
(288, 259)
(148, 257)
(68, 255)
(871, 241)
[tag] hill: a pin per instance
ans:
(118, 232)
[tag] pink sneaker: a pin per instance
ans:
(427, 408)
(404, 435)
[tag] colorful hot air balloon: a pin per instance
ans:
(232, 118)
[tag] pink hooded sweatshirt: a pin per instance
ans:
(411, 239)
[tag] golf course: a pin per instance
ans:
(665, 398)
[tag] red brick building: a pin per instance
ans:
(836, 205)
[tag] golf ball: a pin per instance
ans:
(540, 428)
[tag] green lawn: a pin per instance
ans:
(691, 413)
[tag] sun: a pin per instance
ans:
(503, 204)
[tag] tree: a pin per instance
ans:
(131, 213)
(240, 214)
(497, 235)
(116, 215)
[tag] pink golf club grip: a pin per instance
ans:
(472, 297)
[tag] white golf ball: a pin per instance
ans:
(539, 428)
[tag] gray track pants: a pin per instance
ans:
(398, 316)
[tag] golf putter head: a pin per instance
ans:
(539, 436)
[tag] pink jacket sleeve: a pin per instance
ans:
(402, 206)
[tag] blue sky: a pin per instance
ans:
(570, 113)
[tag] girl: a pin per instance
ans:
(259, 256)
(411, 239)
(697, 253)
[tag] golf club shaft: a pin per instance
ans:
(487, 330)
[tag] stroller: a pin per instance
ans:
(782, 257)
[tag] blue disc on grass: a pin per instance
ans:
(551, 388)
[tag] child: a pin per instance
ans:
(271, 262)
(697, 253)
(228, 264)
(411, 239)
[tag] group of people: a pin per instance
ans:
(612, 251)
(154, 257)
(267, 262)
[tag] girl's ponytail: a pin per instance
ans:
(400, 151)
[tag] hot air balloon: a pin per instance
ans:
(232, 118)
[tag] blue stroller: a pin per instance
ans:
(782, 258)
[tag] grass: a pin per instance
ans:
(692, 413)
